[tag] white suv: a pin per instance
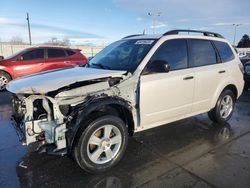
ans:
(134, 84)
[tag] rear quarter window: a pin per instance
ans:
(70, 52)
(224, 50)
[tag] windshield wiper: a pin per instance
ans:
(101, 66)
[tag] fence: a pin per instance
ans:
(9, 49)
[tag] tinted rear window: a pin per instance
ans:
(224, 50)
(202, 53)
(56, 53)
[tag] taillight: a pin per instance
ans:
(241, 68)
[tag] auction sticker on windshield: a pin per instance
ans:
(144, 42)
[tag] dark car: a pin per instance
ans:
(38, 59)
(247, 74)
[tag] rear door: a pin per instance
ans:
(29, 63)
(56, 58)
(208, 70)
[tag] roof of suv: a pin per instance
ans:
(209, 34)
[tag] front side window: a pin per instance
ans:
(202, 53)
(56, 53)
(174, 53)
(224, 50)
(33, 54)
(122, 55)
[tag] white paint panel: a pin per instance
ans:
(165, 96)
(53, 80)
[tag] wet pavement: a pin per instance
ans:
(190, 153)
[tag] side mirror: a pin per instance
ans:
(1, 57)
(158, 66)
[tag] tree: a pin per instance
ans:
(56, 42)
(65, 42)
(244, 42)
(16, 40)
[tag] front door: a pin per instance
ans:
(29, 63)
(165, 97)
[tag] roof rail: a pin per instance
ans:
(205, 33)
(132, 36)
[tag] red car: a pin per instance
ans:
(38, 59)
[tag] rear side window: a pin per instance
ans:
(34, 54)
(70, 52)
(173, 52)
(56, 53)
(224, 50)
(202, 53)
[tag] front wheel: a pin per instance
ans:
(4, 80)
(223, 110)
(102, 144)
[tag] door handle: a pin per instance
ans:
(41, 63)
(188, 78)
(67, 61)
(222, 71)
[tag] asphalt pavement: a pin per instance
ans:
(189, 153)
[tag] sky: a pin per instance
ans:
(100, 22)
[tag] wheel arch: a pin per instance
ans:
(230, 86)
(99, 107)
(6, 72)
(233, 88)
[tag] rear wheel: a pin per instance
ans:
(102, 144)
(223, 110)
(4, 80)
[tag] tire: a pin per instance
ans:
(246, 86)
(4, 80)
(102, 154)
(223, 109)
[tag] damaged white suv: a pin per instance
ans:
(134, 84)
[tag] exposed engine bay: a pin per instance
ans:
(47, 118)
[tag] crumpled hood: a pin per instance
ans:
(52, 80)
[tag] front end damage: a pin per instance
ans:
(46, 119)
(45, 124)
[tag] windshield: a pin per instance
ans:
(122, 55)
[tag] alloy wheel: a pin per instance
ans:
(226, 106)
(3, 82)
(104, 144)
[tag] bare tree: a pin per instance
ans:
(65, 42)
(16, 40)
(56, 42)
